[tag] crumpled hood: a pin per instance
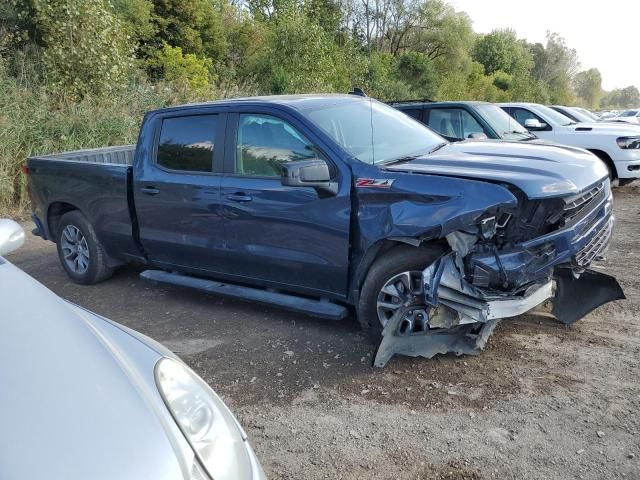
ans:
(73, 407)
(539, 170)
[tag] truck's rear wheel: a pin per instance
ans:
(81, 254)
(393, 281)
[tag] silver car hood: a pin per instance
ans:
(539, 170)
(74, 403)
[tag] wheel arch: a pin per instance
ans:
(379, 248)
(55, 212)
(604, 156)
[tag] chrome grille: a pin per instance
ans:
(595, 246)
(575, 205)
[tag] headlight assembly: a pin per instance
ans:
(629, 143)
(205, 421)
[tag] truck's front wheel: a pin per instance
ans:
(394, 281)
(81, 253)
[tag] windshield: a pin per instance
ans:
(374, 132)
(587, 113)
(503, 123)
(629, 113)
(580, 115)
(555, 117)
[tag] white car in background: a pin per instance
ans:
(616, 144)
(575, 114)
(628, 116)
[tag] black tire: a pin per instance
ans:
(97, 268)
(391, 263)
(611, 168)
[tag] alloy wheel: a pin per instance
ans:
(75, 249)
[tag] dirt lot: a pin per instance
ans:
(543, 401)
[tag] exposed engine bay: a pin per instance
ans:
(508, 264)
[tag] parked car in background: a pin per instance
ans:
(628, 116)
(457, 121)
(86, 398)
(605, 115)
(617, 145)
(319, 203)
(575, 114)
(588, 113)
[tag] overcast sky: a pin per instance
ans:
(606, 34)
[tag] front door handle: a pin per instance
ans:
(239, 197)
(150, 190)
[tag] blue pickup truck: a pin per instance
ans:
(329, 204)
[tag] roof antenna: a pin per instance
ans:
(357, 91)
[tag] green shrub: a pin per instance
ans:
(35, 121)
(183, 69)
(299, 56)
(86, 49)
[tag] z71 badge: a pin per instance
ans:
(374, 182)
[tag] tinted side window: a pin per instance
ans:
(412, 112)
(187, 143)
(265, 142)
(454, 122)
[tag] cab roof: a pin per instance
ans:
(298, 102)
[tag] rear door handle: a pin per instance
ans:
(150, 190)
(239, 197)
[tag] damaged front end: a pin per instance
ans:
(504, 265)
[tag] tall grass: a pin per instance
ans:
(34, 121)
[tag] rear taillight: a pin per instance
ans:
(25, 169)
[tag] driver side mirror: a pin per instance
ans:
(534, 124)
(12, 236)
(309, 173)
(478, 136)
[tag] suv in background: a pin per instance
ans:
(628, 116)
(457, 121)
(616, 144)
(572, 113)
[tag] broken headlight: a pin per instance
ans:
(490, 225)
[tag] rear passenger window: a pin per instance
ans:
(187, 143)
(454, 122)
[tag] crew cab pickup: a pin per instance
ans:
(616, 144)
(327, 203)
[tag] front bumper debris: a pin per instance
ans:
(576, 297)
(460, 340)
(463, 317)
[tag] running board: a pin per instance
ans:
(316, 308)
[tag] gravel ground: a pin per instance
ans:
(543, 401)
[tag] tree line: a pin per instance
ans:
(392, 49)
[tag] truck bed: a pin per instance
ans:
(118, 155)
(94, 181)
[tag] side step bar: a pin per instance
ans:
(316, 308)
